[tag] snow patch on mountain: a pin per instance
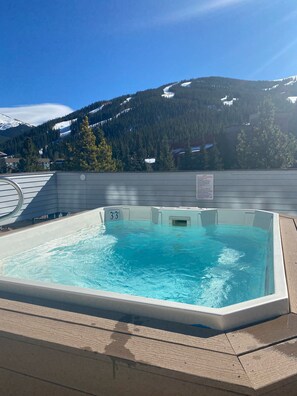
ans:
(293, 81)
(292, 99)
(100, 123)
(64, 124)
(269, 89)
(286, 78)
(150, 160)
(126, 101)
(64, 127)
(166, 92)
(229, 102)
(96, 110)
(123, 112)
(186, 84)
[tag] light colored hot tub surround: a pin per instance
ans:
(237, 315)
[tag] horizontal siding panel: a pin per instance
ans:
(8, 195)
(270, 190)
(188, 202)
(35, 206)
(32, 176)
(40, 196)
(53, 192)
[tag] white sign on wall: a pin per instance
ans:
(204, 187)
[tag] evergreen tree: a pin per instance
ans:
(29, 157)
(134, 162)
(164, 160)
(105, 161)
(215, 159)
(266, 146)
(148, 167)
(205, 158)
(3, 167)
(243, 151)
(83, 152)
(186, 160)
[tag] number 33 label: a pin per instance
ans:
(114, 215)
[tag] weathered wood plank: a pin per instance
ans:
(263, 334)
(100, 376)
(192, 364)
(289, 242)
(272, 367)
(16, 384)
(141, 327)
(288, 390)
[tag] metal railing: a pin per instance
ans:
(20, 198)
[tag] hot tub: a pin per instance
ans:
(185, 229)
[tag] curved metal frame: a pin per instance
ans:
(20, 195)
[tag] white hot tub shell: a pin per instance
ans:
(271, 305)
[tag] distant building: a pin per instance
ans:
(13, 162)
(45, 163)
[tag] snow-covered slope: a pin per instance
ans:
(167, 94)
(64, 127)
(7, 122)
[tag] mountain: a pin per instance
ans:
(189, 115)
(11, 127)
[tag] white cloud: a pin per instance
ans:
(36, 114)
(197, 10)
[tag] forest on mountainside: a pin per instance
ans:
(208, 123)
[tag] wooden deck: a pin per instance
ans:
(54, 350)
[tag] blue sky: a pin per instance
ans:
(76, 52)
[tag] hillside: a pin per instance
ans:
(188, 115)
(11, 127)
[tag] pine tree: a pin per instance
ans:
(266, 146)
(164, 160)
(29, 157)
(105, 161)
(205, 158)
(215, 159)
(186, 159)
(83, 152)
(243, 151)
(3, 167)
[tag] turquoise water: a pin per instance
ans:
(211, 266)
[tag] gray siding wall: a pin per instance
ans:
(274, 190)
(40, 196)
(51, 192)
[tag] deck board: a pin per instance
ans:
(263, 334)
(272, 367)
(198, 365)
(94, 375)
(140, 327)
(13, 383)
